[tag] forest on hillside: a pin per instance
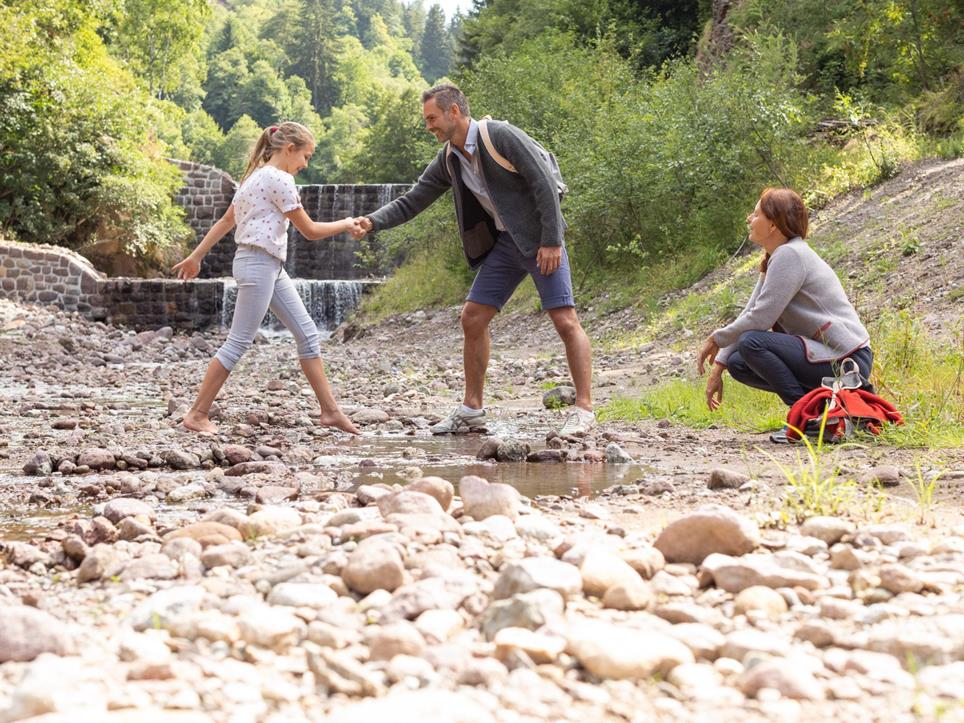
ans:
(667, 117)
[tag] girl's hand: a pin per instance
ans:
(187, 269)
(714, 388)
(708, 353)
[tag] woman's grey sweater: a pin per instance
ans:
(801, 295)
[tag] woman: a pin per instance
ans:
(798, 296)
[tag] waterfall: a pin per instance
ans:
(229, 293)
(328, 303)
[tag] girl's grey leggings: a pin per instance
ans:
(264, 284)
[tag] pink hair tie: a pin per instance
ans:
(272, 129)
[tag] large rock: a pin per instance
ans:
(602, 569)
(480, 499)
(270, 521)
(529, 610)
(763, 600)
(446, 592)
(532, 573)
(734, 574)
(409, 502)
(231, 554)
(722, 478)
(829, 529)
(374, 565)
(99, 562)
(441, 489)
(615, 651)
(401, 638)
(26, 632)
(790, 677)
(631, 595)
(208, 533)
(120, 507)
(713, 529)
(96, 458)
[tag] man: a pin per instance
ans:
(511, 225)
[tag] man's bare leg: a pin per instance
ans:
(578, 352)
(331, 414)
(475, 349)
(196, 419)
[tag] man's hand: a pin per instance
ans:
(188, 268)
(548, 259)
(362, 226)
(708, 353)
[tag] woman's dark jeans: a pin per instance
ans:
(778, 363)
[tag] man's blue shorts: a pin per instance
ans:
(505, 268)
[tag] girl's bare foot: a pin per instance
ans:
(198, 422)
(339, 420)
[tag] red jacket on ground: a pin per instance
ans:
(859, 405)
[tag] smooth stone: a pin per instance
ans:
(532, 573)
(539, 647)
(646, 561)
(302, 594)
(374, 565)
(270, 521)
(205, 532)
(271, 627)
(26, 632)
(616, 651)
(734, 574)
(401, 638)
(232, 554)
(710, 530)
(764, 600)
(829, 529)
(480, 499)
(530, 610)
(602, 569)
(441, 489)
(790, 678)
(630, 595)
(164, 606)
(120, 507)
(722, 478)
(409, 502)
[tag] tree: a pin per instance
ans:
(232, 155)
(313, 51)
(158, 38)
(228, 73)
(435, 51)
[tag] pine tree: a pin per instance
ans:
(435, 53)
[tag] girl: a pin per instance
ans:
(800, 296)
(264, 204)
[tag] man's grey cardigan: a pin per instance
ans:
(802, 296)
(527, 202)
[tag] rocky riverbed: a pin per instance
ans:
(283, 572)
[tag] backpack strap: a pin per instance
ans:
(487, 142)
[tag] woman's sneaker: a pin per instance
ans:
(578, 423)
(461, 422)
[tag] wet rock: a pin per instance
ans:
(480, 499)
(760, 599)
(616, 454)
(512, 451)
(302, 595)
(547, 455)
(441, 489)
(557, 397)
(533, 573)
(120, 507)
(792, 679)
(529, 610)
(39, 464)
(232, 554)
(489, 448)
(709, 530)
(616, 651)
(26, 632)
(96, 458)
(885, 475)
(179, 459)
(721, 478)
(374, 565)
(270, 521)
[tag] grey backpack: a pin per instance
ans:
(549, 158)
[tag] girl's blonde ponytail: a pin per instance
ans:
(275, 139)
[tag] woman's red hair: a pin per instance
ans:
(785, 208)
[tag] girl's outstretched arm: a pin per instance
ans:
(190, 267)
(315, 230)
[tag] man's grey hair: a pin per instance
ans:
(446, 95)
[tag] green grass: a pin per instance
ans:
(684, 401)
(418, 283)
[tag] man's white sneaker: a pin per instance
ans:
(578, 423)
(460, 422)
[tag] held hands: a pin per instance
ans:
(187, 269)
(548, 259)
(360, 226)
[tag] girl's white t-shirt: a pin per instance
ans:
(259, 208)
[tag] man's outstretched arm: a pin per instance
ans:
(433, 182)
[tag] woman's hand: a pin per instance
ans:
(714, 388)
(187, 269)
(708, 353)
